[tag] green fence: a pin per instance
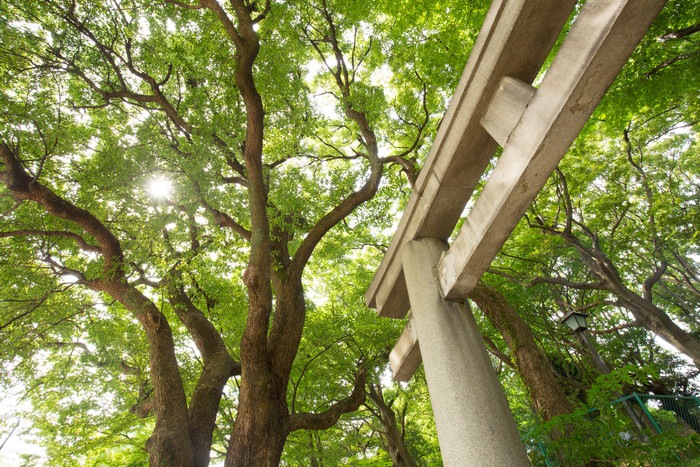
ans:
(639, 429)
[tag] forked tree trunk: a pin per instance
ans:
(260, 430)
(263, 421)
(537, 374)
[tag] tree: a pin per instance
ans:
(393, 436)
(220, 314)
(548, 398)
(190, 309)
(614, 232)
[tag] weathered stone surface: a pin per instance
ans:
(507, 105)
(600, 42)
(514, 41)
(474, 423)
(405, 357)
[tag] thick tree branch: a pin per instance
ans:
(496, 352)
(145, 402)
(685, 32)
(642, 308)
(329, 417)
(263, 14)
(219, 366)
(82, 243)
(170, 398)
(223, 17)
(24, 187)
(653, 279)
(221, 218)
(369, 141)
(393, 438)
(207, 339)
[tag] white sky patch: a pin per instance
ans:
(382, 77)
(317, 67)
(69, 279)
(318, 297)
(170, 26)
(16, 442)
(25, 26)
(213, 255)
(387, 378)
(144, 27)
(325, 103)
(159, 187)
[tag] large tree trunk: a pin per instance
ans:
(262, 422)
(170, 444)
(219, 366)
(260, 430)
(546, 394)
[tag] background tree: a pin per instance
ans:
(614, 232)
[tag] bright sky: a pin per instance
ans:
(16, 444)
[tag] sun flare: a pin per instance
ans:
(160, 187)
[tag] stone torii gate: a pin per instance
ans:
(495, 104)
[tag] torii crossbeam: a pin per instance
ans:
(495, 104)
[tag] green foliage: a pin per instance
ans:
(603, 432)
(83, 360)
(74, 108)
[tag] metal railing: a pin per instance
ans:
(669, 433)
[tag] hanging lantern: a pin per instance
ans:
(575, 320)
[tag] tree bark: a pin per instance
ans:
(642, 307)
(260, 430)
(270, 339)
(219, 366)
(539, 378)
(394, 442)
(170, 444)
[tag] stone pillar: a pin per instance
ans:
(474, 423)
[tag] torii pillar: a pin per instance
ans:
(472, 416)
